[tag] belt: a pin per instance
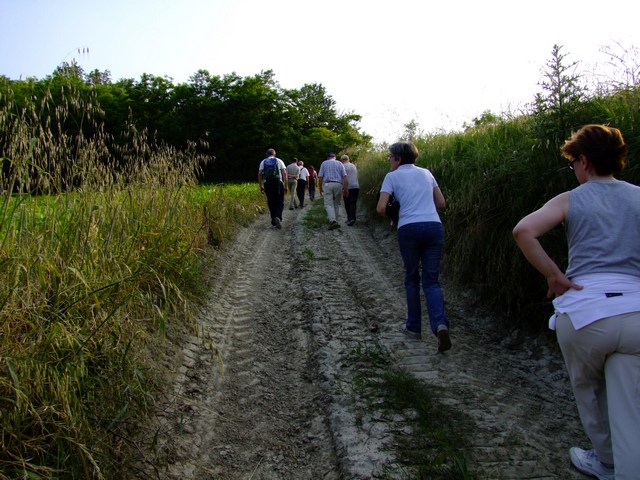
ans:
(330, 181)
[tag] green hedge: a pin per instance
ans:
(493, 175)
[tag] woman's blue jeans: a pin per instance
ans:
(421, 244)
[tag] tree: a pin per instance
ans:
(487, 118)
(96, 77)
(318, 126)
(314, 107)
(560, 97)
(411, 131)
(232, 118)
(69, 70)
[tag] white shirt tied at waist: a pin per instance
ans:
(602, 296)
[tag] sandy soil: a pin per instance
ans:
(263, 391)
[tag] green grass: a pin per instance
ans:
(315, 215)
(434, 446)
(95, 271)
(89, 286)
(308, 256)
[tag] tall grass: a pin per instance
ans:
(493, 175)
(94, 269)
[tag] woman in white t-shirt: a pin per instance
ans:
(420, 237)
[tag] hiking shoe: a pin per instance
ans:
(333, 225)
(278, 223)
(587, 462)
(410, 334)
(444, 341)
(351, 223)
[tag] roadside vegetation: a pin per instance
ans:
(500, 168)
(97, 263)
(109, 202)
(229, 117)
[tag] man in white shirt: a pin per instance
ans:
(302, 182)
(351, 200)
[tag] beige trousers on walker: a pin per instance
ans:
(293, 199)
(603, 360)
(332, 196)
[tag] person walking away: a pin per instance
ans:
(420, 238)
(302, 182)
(311, 182)
(332, 179)
(272, 178)
(292, 174)
(351, 200)
(597, 298)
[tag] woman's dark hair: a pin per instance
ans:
(407, 152)
(603, 146)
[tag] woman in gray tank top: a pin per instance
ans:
(597, 299)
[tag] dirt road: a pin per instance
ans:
(286, 309)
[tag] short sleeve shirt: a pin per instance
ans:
(281, 167)
(413, 187)
(332, 171)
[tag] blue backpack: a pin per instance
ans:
(271, 169)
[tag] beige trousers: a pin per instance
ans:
(332, 196)
(603, 361)
(293, 199)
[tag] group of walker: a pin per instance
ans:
(339, 179)
(596, 300)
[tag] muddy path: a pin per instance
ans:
(262, 392)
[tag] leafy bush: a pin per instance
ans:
(492, 175)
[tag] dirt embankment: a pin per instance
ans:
(285, 310)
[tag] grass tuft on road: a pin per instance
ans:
(434, 445)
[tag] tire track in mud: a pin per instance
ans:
(267, 388)
(519, 400)
(255, 409)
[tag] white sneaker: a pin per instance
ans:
(587, 462)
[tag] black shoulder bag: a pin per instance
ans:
(392, 210)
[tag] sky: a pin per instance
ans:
(438, 63)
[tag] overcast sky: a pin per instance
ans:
(438, 63)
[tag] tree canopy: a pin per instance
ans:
(229, 117)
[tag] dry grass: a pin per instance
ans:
(101, 247)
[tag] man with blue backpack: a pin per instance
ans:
(272, 177)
